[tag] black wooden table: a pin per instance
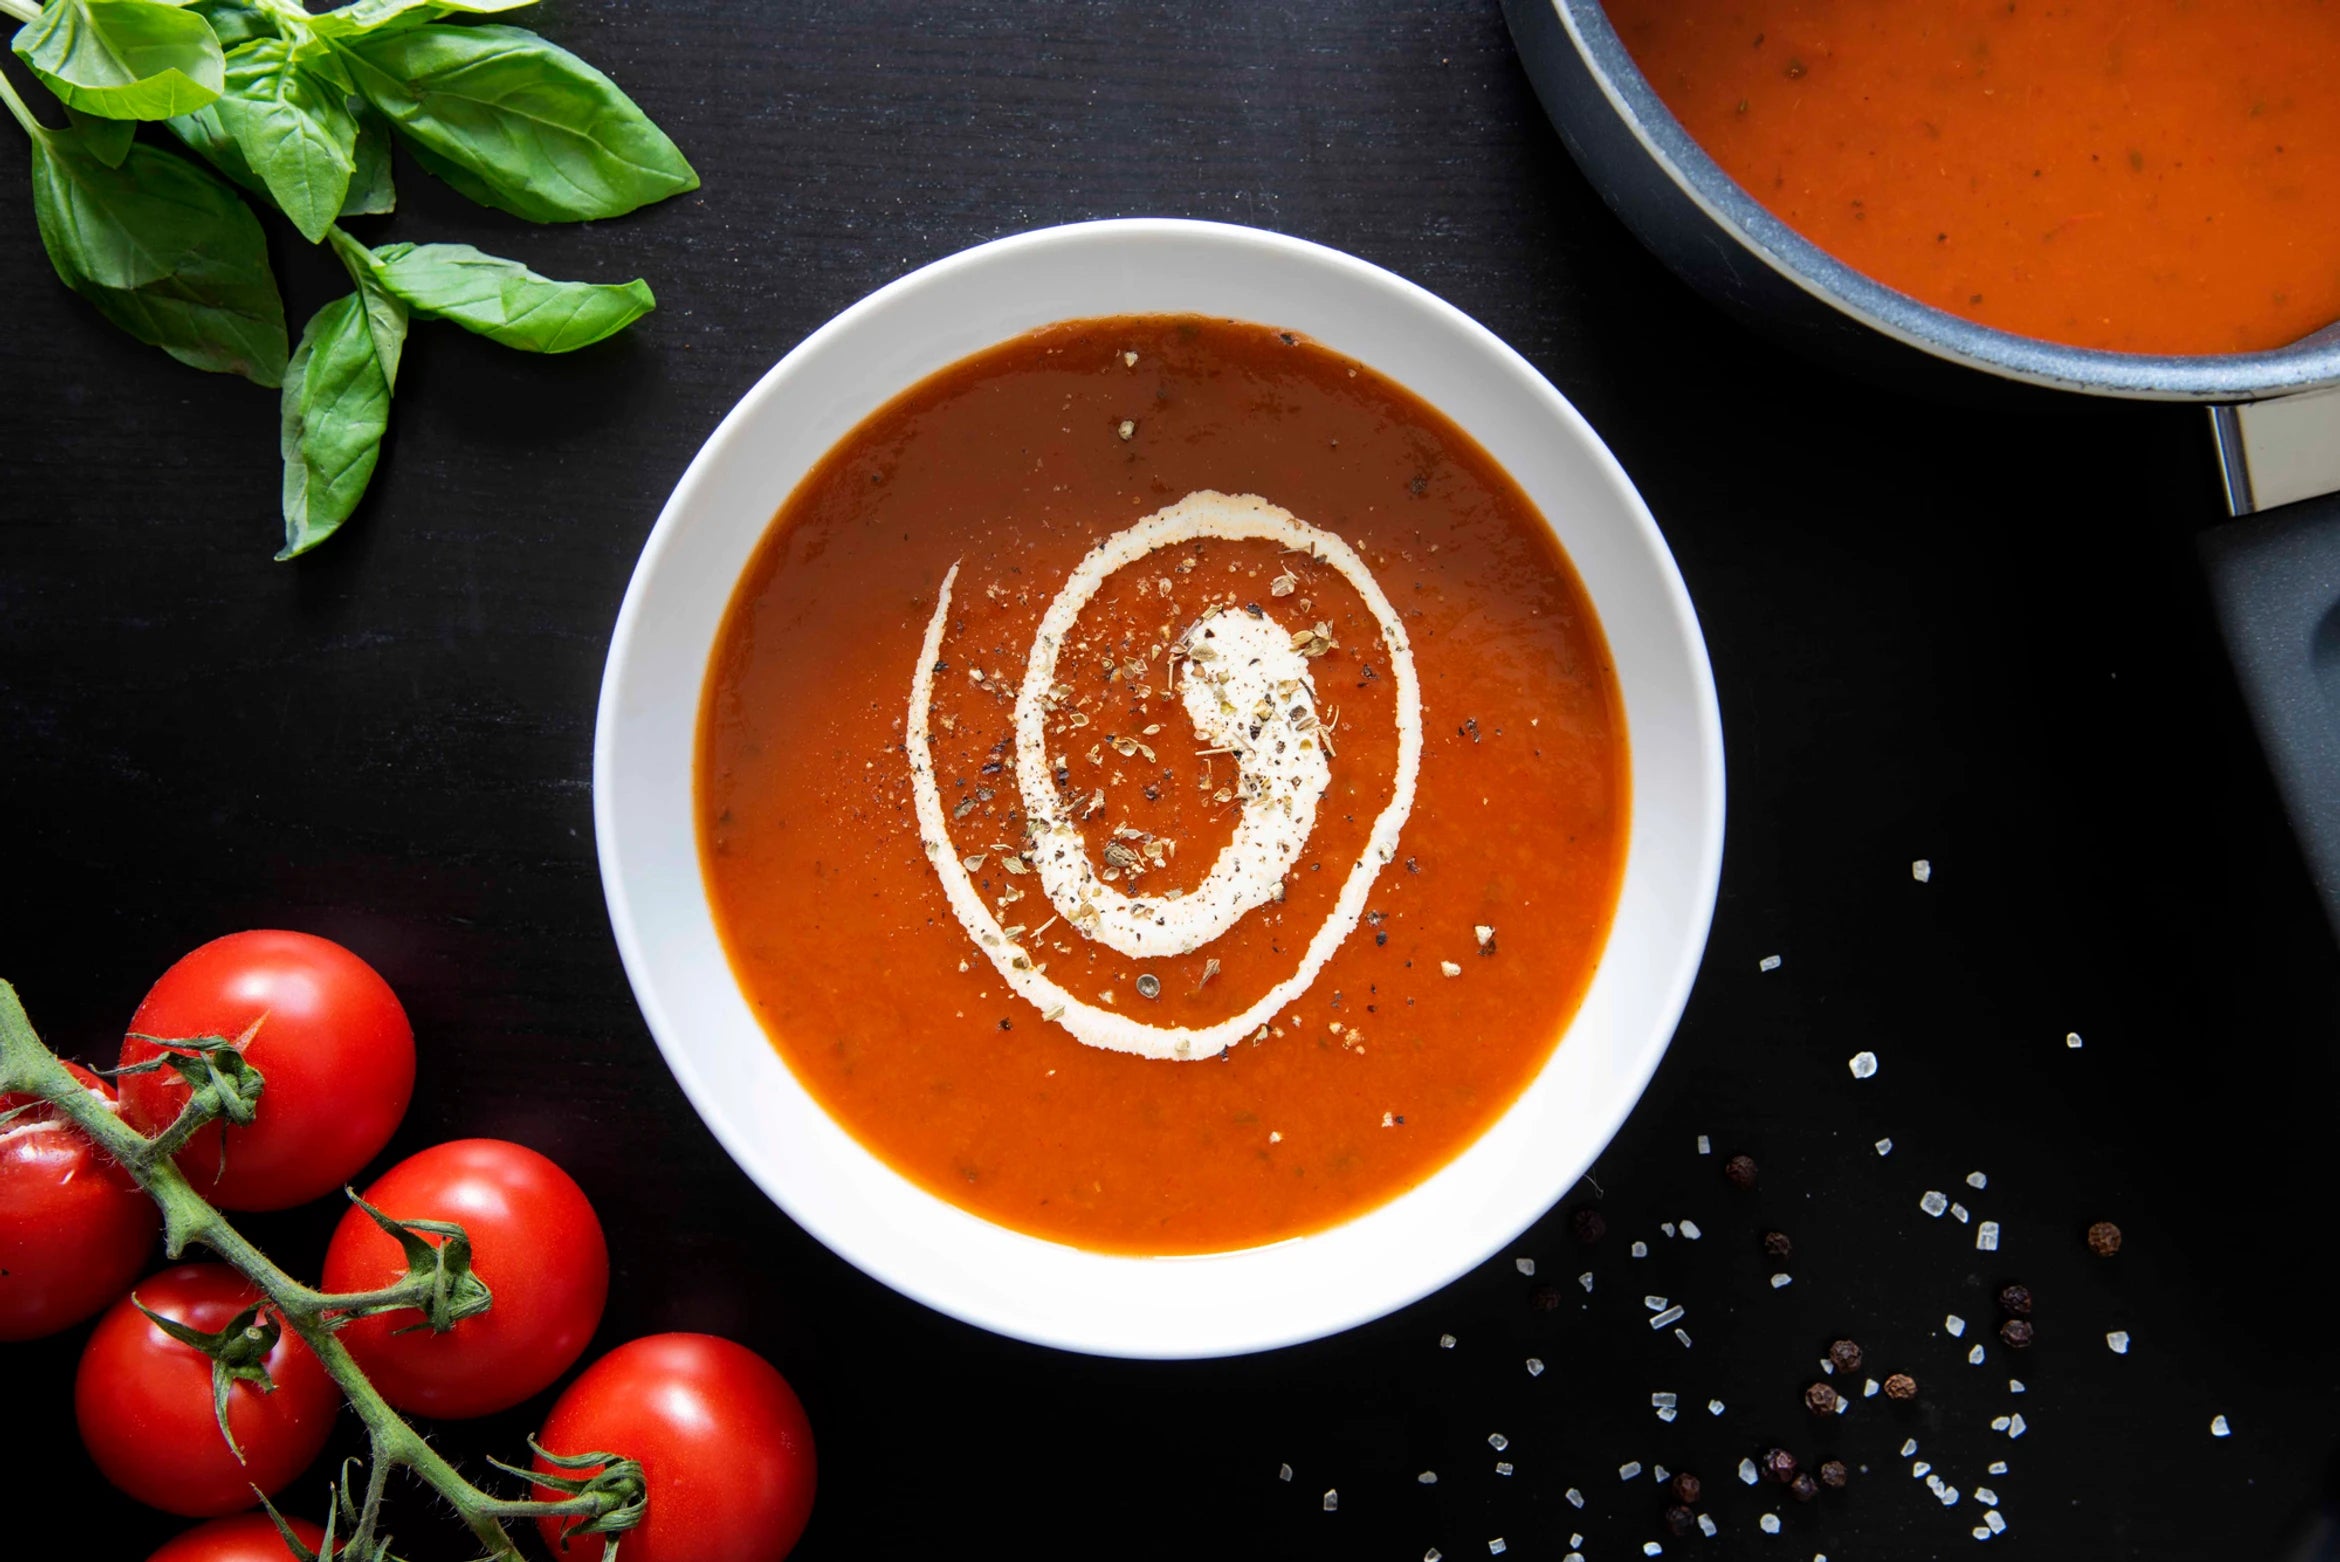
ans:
(1970, 637)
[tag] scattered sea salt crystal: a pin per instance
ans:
(1975, 1179)
(1885, 1147)
(1332, 1500)
(1575, 1541)
(1666, 1317)
(1284, 1473)
(1629, 1469)
(2014, 1385)
(2119, 1341)
(1997, 1525)
(1684, 1336)
(1869, 1389)
(1909, 1447)
(1714, 1407)
(1921, 870)
(1427, 1478)
(1657, 1473)
(2015, 1426)
(1535, 1367)
(1949, 1496)
(1706, 1526)
(1433, 1555)
(1497, 1441)
(2219, 1428)
(1779, 1280)
(1863, 1064)
(1843, 1404)
(1998, 1467)
(1691, 1231)
(1705, 1145)
(1667, 1414)
(1920, 1467)
(1450, 968)
(1650, 1548)
(1767, 963)
(1526, 1266)
(1656, 1304)
(1999, 1424)
(1974, 1357)
(1981, 1533)
(2072, 1040)
(1986, 1237)
(1503, 1467)
(1446, 1342)
(1934, 1203)
(1664, 1401)
(1827, 1367)
(1747, 1471)
(1641, 1250)
(1959, 1214)
(1495, 1547)
(1573, 1556)
(1585, 1280)
(1955, 1324)
(1575, 1497)
(1987, 1497)
(1769, 1524)
(1666, 1226)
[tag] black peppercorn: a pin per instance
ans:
(1686, 1487)
(1820, 1399)
(1681, 1520)
(1845, 1356)
(1833, 1473)
(1587, 1224)
(1544, 1298)
(1741, 1170)
(2015, 1299)
(2104, 1239)
(1780, 1465)
(2016, 1333)
(1901, 1386)
(1803, 1488)
(1777, 1245)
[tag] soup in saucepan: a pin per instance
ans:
(1162, 786)
(2139, 175)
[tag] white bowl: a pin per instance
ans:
(644, 814)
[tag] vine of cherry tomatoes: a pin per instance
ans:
(725, 1447)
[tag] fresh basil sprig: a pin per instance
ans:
(300, 109)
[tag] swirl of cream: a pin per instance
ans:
(1235, 662)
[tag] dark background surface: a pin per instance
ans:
(1973, 637)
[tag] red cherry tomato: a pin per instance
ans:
(74, 1229)
(333, 1048)
(247, 1537)
(144, 1400)
(535, 1243)
(722, 1440)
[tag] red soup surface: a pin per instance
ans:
(2140, 175)
(1012, 465)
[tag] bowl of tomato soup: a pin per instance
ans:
(2120, 197)
(1158, 789)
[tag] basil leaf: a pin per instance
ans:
(108, 140)
(124, 59)
(533, 129)
(396, 15)
(336, 409)
(165, 251)
(204, 133)
(371, 189)
(385, 311)
(294, 130)
(234, 21)
(506, 302)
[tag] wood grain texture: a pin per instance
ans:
(1962, 635)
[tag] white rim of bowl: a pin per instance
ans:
(1237, 1341)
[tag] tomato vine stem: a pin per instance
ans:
(28, 1067)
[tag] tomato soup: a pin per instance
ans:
(2140, 175)
(1161, 786)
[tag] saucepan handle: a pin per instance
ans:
(2275, 582)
